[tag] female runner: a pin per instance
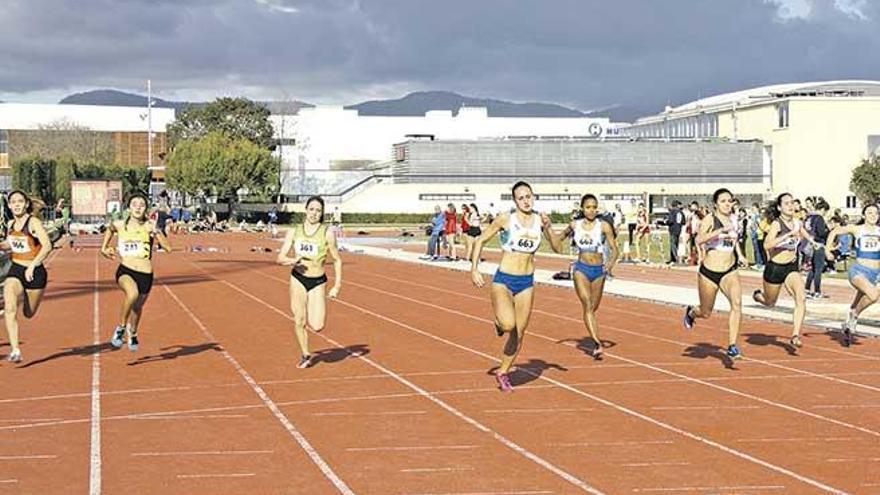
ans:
(513, 285)
(311, 242)
(864, 274)
(135, 273)
(718, 234)
(30, 245)
(590, 234)
(781, 243)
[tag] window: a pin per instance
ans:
(851, 202)
(782, 115)
(447, 197)
(547, 197)
(4, 137)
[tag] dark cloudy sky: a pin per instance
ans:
(583, 53)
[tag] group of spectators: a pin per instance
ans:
(450, 226)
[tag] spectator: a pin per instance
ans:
(450, 227)
(675, 221)
(817, 227)
(756, 235)
(438, 222)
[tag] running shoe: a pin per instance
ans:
(499, 331)
(503, 380)
(597, 353)
(118, 334)
(733, 352)
(795, 341)
(847, 334)
(305, 362)
(689, 318)
(133, 343)
(14, 356)
(755, 295)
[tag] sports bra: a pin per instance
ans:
(868, 243)
(588, 240)
(791, 243)
(310, 247)
(725, 242)
(135, 243)
(516, 238)
(25, 245)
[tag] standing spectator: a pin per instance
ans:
(675, 221)
(816, 226)
(451, 226)
(632, 217)
(756, 235)
(438, 222)
(273, 221)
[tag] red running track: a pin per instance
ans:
(402, 400)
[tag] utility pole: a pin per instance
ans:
(149, 126)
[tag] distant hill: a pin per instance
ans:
(111, 97)
(415, 104)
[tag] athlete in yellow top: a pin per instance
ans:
(305, 248)
(134, 248)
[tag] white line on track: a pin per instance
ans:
(552, 410)
(9, 481)
(845, 406)
(313, 454)
(584, 486)
(26, 457)
(356, 413)
(655, 464)
(855, 459)
(436, 470)
(413, 448)
(221, 475)
(805, 439)
(202, 452)
(603, 444)
(701, 408)
(713, 489)
(524, 492)
(593, 397)
(95, 431)
(618, 357)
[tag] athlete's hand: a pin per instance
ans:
(829, 256)
(109, 252)
(610, 267)
(477, 278)
(334, 292)
(545, 221)
(29, 273)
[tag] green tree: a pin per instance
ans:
(238, 118)
(865, 180)
(36, 176)
(219, 165)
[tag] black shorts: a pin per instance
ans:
(143, 280)
(41, 277)
(775, 274)
(474, 231)
(308, 282)
(716, 277)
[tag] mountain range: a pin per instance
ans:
(413, 104)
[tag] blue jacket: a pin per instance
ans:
(439, 223)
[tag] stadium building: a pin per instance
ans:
(814, 133)
(89, 132)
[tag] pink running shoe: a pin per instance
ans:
(503, 380)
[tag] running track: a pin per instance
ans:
(213, 404)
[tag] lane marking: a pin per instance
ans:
(23, 457)
(226, 475)
(203, 452)
(436, 470)
(593, 397)
(269, 403)
(655, 464)
(427, 395)
(407, 449)
(95, 431)
(709, 488)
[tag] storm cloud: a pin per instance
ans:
(583, 53)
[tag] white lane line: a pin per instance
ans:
(408, 449)
(95, 431)
(190, 417)
(24, 457)
(427, 395)
(539, 411)
(9, 481)
(805, 439)
(713, 489)
(855, 459)
(621, 358)
(602, 444)
(203, 452)
(846, 406)
(519, 492)
(269, 403)
(29, 420)
(220, 475)
(386, 413)
(701, 408)
(594, 397)
(655, 464)
(436, 470)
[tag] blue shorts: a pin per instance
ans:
(514, 283)
(592, 272)
(871, 274)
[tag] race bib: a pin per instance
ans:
(870, 243)
(306, 249)
(19, 245)
(524, 245)
(131, 249)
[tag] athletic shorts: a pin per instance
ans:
(592, 272)
(41, 277)
(871, 274)
(144, 281)
(308, 282)
(775, 274)
(514, 283)
(716, 277)
(474, 231)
